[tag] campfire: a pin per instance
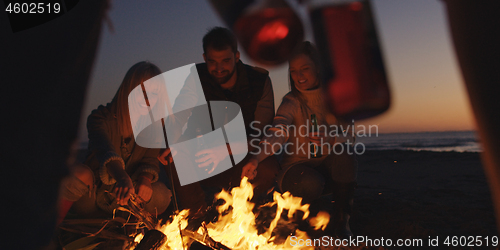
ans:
(237, 227)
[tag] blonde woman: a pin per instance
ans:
(303, 176)
(116, 166)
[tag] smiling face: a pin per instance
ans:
(151, 96)
(304, 72)
(221, 64)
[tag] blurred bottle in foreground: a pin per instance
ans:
(268, 30)
(345, 34)
(354, 74)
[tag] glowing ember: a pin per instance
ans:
(236, 227)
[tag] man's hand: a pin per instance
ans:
(165, 157)
(250, 169)
(212, 155)
(143, 188)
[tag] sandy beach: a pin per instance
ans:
(414, 195)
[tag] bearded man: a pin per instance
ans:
(225, 78)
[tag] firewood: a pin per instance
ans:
(140, 213)
(101, 233)
(205, 240)
(153, 239)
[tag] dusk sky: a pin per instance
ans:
(428, 93)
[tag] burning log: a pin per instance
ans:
(152, 240)
(205, 239)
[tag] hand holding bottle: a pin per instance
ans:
(319, 137)
(314, 138)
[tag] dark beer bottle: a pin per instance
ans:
(200, 141)
(313, 147)
(201, 145)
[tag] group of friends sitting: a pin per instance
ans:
(117, 168)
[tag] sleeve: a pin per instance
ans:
(190, 97)
(100, 143)
(264, 112)
(149, 164)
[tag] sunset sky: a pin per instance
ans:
(427, 90)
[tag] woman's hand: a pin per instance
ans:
(144, 189)
(165, 157)
(123, 187)
(212, 155)
(250, 169)
(320, 138)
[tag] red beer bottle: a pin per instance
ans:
(353, 68)
(268, 30)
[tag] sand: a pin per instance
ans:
(407, 194)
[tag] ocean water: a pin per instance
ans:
(458, 141)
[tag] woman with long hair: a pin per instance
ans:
(304, 173)
(116, 166)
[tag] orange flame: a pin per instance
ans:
(236, 229)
